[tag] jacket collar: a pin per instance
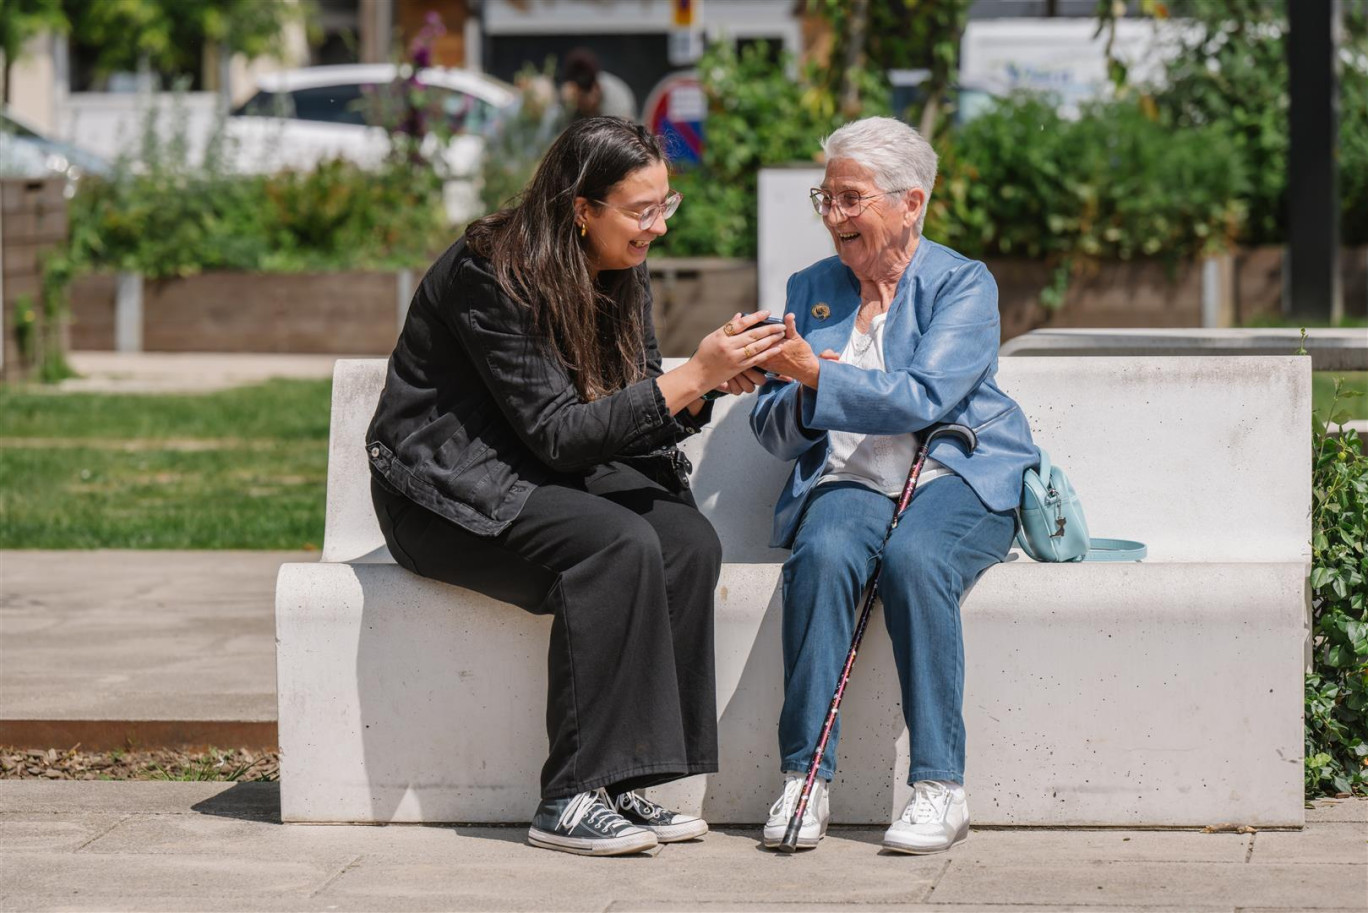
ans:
(834, 332)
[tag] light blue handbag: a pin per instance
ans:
(1052, 527)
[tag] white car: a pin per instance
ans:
(26, 153)
(299, 118)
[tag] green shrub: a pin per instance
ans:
(1117, 183)
(758, 115)
(1230, 68)
(1337, 685)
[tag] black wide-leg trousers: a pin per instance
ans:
(627, 569)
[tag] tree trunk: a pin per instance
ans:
(858, 27)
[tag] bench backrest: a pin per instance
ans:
(1204, 459)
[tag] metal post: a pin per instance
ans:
(1312, 171)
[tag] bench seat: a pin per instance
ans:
(1162, 693)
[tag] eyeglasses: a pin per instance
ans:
(646, 218)
(849, 203)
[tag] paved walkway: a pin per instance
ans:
(186, 372)
(95, 644)
(204, 846)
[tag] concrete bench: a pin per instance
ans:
(1330, 350)
(1165, 693)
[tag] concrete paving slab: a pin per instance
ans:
(630, 907)
(1329, 811)
(138, 635)
(220, 847)
(67, 800)
(205, 834)
(727, 866)
(1319, 843)
(1007, 847)
(51, 833)
(186, 372)
(50, 877)
(1298, 887)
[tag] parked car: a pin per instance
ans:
(26, 153)
(300, 117)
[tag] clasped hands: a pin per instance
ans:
(780, 351)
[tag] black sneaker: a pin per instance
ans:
(668, 826)
(587, 824)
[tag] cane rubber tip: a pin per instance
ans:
(788, 849)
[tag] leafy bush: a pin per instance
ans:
(1337, 685)
(1230, 68)
(169, 217)
(758, 115)
(1117, 183)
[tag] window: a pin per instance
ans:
(265, 104)
(330, 104)
(465, 113)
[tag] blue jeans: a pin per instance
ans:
(945, 540)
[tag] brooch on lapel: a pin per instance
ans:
(821, 311)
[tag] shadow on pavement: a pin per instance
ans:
(244, 801)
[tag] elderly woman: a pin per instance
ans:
(907, 332)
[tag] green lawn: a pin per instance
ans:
(1323, 391)
(244, 468)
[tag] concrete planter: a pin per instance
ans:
(33, 221)
(356, 312)
(1259, 282)
(1144, 293)
(348, 312)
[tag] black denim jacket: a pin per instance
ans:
(474, 415)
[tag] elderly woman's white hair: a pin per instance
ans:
(897, 155)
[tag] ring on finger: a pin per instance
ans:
(749, 353)
(727, 328)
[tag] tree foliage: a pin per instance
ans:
(170, 34)
(1230, 67)
(22, 20)
(899, 35)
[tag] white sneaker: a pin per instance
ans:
(815, 817)
(936, 818)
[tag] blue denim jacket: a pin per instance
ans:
(940, 349)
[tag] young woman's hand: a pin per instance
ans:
(729, 359)
(738, 345)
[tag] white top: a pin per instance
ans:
(877, 461)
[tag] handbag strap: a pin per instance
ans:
(1115, 550)
(1044, 470)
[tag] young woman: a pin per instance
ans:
(524, 447)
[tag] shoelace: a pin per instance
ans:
(643, 806)
(593, 806)
(786, 803)
(931, 802)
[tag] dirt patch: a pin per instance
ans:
(162, 764)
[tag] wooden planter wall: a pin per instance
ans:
(358, 313)
(33, 220)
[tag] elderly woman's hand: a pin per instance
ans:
(794, 358)
(745, 382)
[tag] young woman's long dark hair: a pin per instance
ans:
(538, 257)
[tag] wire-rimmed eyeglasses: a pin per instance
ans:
(848, 203)
(646, 218)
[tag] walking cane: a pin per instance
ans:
(968, 440)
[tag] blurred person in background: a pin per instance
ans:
(589, 91)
